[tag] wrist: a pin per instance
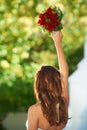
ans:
(58, 44)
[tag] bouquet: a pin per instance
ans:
(50, 20)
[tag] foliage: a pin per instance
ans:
(24, 48)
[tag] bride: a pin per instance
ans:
(51, 89)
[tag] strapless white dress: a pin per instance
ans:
(27, 126)
(37, 129)
(68, 126)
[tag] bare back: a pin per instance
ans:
(43, 124)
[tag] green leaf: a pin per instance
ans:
(60, 14)
(59, 27)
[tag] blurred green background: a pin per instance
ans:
(24, 47)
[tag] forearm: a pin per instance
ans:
(57, 38)
(62, 60)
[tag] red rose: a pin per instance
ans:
(49, 19)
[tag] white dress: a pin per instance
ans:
(68, 126)
(27, 125)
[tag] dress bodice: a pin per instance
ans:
(27, 125)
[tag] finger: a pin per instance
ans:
(53, 32)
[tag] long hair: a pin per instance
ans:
(48, 90)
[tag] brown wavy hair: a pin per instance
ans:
(48, 90)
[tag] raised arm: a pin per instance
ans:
(63, 67)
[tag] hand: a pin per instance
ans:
(57, 37)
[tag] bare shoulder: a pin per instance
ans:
(34, 108)
(33, 116)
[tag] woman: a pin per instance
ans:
(51, 88)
